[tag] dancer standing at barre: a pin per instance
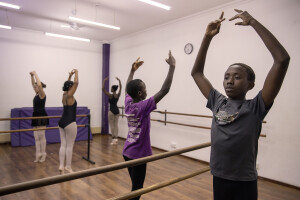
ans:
(237, 122)
(137, 111)
(39, 102)
(67, 123)
(113, 113)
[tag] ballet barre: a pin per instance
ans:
(5, 190)
(44, 117)
(160, 185)
(165, 121)
(37, 129)
(50, 128)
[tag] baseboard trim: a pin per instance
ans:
(96, 130)
(279, 183)
(259, 177)
(5, 138)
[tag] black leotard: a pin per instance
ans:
(39, 111)
(68, 116)
(113, 105)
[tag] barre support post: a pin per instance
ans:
(89, 144)
(165, 117)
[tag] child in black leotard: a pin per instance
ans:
(114, 113)
(67, 123)
(39, 111)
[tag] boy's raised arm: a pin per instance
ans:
(134, 67)
(168, 81)
(202, 82)
(281, 58)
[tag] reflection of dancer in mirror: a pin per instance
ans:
(237, 122)
(137, 111)
(113, 113)
(39, 111)
(67, 123)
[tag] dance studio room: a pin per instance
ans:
(147, 99)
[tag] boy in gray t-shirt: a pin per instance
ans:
(237, 122)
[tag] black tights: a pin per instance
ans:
(137, 175)
(234, 190)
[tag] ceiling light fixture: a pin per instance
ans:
(94, 23)
(65, 26)
(9, 5)
(67, 37)
(154, 3)
(5, 27)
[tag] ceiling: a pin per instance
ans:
(130, 15)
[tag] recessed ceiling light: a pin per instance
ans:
(94, 23)
(5, 27)
(9, 5)
(67, 37)
(65, 26)
(154, 3)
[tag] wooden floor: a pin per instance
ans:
(16, 165)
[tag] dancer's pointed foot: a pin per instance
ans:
(37, 157)
(43, 158)
(61, 168)
(69, 169)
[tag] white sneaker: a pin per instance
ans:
(114, 141)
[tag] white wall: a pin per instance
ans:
(23, 51)
(278, 157)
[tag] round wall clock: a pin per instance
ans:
(188, 48)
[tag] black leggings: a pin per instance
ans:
(234, 190)
(137, 175)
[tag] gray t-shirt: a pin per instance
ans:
(235, 130)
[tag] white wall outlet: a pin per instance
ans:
(173, 145)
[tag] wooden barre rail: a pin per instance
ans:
(184, 114)
(49, 128)
(45, 117)
(189, 125)
(159, 185)
(37, 129)
(90, 172)
(169, 122)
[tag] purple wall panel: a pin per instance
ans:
(105, 73)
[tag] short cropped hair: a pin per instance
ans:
(67, 85)
(114, 87)
(249, 71)
(133, 87)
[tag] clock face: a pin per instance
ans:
(188, 48)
